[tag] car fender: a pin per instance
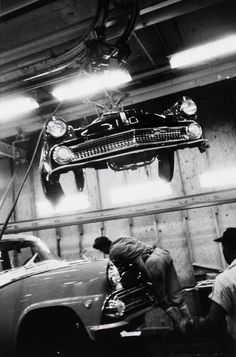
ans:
(86, 308)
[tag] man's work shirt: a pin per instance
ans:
(126, 249)
(224, 294)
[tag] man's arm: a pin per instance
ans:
(214, 321)
(141, 266)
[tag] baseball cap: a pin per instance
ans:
(228, 235)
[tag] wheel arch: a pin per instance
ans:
(46, 317)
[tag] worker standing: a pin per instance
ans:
(223, 296)
(156, 265)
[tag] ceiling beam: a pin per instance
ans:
(144, 49)
(198, 78)
(11, 151)
(202, 200)
(150, 15)
(168, 10)
(12, 9)
(7, 8)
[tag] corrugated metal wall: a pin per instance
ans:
(187, 234)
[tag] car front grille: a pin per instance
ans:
(134, 299)
(128, 140)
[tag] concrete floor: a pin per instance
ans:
(153, 344)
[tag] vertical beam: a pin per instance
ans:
(6, 150)
(102, 227)
(216, 223)
(144, 49)
(185, 216)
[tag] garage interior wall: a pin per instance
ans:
(188, 234)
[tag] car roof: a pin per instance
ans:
(20, 238)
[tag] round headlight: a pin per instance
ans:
(194, 131)
(56, 128)
(62, 155)
(188, 106)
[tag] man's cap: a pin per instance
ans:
(228, 235)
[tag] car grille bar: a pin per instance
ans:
(121, 141)
(134, 298)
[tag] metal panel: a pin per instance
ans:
(5, 178)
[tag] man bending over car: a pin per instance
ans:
(156, 266)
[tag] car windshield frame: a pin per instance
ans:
(16, 252)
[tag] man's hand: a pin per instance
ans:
(139, 263)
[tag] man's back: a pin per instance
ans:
(126, 249)
(224, 294)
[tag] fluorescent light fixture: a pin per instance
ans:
(219, 178)
(13, 107)
(219, 48)
(68, 204)
(148, 191)
(86, 85)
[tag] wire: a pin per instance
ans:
(71, 55)
(22, 185)
(106, 7)
(66, 59)
(63, 61)
(56, 109)
(102, 27)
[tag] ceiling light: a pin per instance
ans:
(13, 107)
(219, 178)
(90, 84)
(208, 51)
(149, 191)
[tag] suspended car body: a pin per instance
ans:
(119, 140)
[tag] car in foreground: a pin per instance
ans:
(119, 140)
(50, 307)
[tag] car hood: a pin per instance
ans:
(8, 276)
(11, 275)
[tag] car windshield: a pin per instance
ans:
(16, 253)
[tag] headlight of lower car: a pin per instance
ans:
(62, 155)
(113, 275)
(115, 308)
(56, 127)
(188, 106)
(194, 131)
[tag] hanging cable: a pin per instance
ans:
(67, 58)
(106, 7)
(130, 26)
(56, 66)
(21, 186)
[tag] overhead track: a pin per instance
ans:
(17, 7)
(208, 199)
